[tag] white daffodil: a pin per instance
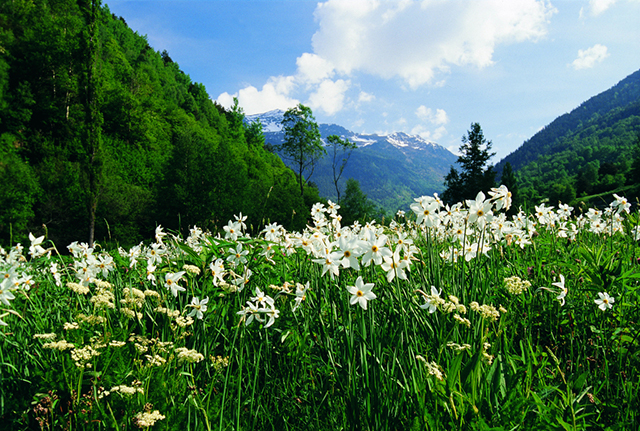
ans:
(171, 282)
(361, 293)
(605, 301)
(563, 290)
(199, 307)
(432, 300)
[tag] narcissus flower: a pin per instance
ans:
(361, 293)
(605, 301)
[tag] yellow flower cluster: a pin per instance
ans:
(188, 355)
(192, 269)
(184, 321)
(488, 312)
(432, 368)
(68, 326)
(458, 347)
(219, 362)
(103, 298)
(51, 336)
(78, 288)
(486, 358)
(82, 356)
(171, 313)
(102, 285)
(155, 360)
(453, 304)
(151, 293)
(91, 320)
(515, 285)
(148, 419)
(133, 297)
(124, 390)
(58, 345)
(462, 320)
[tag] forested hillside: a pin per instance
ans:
(97, 129)
(587, 151)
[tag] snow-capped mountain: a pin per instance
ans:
(271, 121)
(392, 169)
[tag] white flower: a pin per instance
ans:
(394, 265)
(361, 293)
(36, 249)
(198, 306)
(171, 282)
(301, 294)
(432, 300)
(563, 290)
(605, 301)
(480, 210)
(272, 313)
(261, 299)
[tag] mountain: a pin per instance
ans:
(586, 151)
(392, 169)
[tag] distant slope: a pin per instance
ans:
(587, 150)
(391, 169)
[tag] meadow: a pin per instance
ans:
(454, 317)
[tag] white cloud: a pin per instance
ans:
(274, 95)
(424, 133)
(440, 117)
(366, 97)
(587, 58)
(313, 69)
(329, 96)
(415, 40)
(596, 7)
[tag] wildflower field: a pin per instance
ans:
(448, 318)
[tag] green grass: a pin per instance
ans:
(474, 352)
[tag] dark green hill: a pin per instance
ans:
(98, 129)
(589, 150)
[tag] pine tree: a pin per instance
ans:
(475, 175)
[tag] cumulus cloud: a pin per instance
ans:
(588, 58)
(415, 40)
(439, 117)
(366, 97)
(596, 7)
(273, 95)
(407, 39)
(329, 96)
(313, 69)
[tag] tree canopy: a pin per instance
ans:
(475, 175)
(302, 142)
(99, 129)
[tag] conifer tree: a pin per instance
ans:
(475, 175)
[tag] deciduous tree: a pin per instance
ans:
(302, 143)
(343, 147)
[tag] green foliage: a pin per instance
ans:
(509, 180)
(589, 150)
(355, 205)
(302, 143)
(18, 193)
(253, 333)
(109, 138)
(475, 175)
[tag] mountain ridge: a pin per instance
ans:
(392, 169)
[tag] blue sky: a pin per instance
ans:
(428, 67)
